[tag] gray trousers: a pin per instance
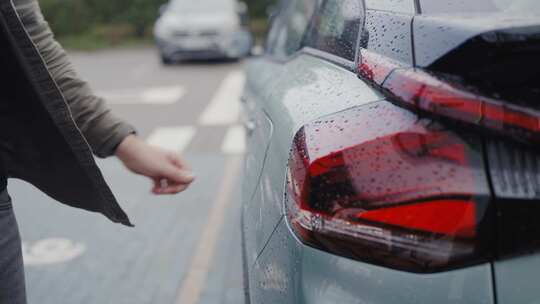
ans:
(12, 284)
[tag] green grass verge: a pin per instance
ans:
(102, 37)
(89, 43)
(118, 35)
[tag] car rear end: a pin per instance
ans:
(431, 194)
(500, 85)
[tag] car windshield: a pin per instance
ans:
(525, 7)
(187, 7)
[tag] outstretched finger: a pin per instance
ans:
(171, 189)
(178, 176)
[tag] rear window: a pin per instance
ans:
(335, 27)
(475, 6)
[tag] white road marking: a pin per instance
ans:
(163, 95)
(225, 105)
(172, 138)
(51, 251)
(235, 141)
(195, 281)
(155, 95)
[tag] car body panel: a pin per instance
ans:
(390, 35)
(298, 91)
(259, 86)
(307, 275)
(517, 280)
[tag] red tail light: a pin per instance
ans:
(379, 185)
(452, 217)
(424, 91)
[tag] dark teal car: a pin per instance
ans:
(393, 153)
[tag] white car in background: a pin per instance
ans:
(202, 29)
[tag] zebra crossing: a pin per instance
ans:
(162, 95)
(224, 107)
(172, 138)
(223, 111)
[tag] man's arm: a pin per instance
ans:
(103, 131)
(106, 134)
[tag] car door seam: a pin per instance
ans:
(259, 254)
(494, 283)
(413, 48)
(265, 157)
(493, 202)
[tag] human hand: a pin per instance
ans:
(168, 171)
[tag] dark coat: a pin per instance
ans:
(41, 142)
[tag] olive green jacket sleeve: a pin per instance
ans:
(100, 127)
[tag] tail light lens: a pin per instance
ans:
(379, 185)
(423, 91)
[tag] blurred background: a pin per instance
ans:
(174, 70)
(94, 24)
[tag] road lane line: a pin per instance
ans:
(235, 141)
(195, 280)
(172, 138)
(154, 95)
(224, 108)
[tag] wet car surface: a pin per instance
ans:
(391, 153)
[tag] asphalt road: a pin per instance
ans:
(184, 249)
